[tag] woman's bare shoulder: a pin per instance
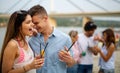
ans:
(12, 45)
(112, 47)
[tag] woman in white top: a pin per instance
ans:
(16, 55)
(76, 52)
(107, 56)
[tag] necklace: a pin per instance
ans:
(83, 52)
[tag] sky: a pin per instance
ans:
(62, 6)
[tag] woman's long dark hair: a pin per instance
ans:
(13, 30)
(110, 38)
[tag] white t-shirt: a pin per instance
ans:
(84, 42)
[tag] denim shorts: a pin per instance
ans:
(106, 70)
(85, 68)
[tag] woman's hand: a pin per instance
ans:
(37, 63)
(98, 38)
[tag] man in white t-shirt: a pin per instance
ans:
(86, 45)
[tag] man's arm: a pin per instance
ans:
(93, 50)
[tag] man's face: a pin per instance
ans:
(40, 23)
(90, 33)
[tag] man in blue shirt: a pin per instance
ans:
(52, 41)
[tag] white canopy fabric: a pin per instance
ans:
(62, 6)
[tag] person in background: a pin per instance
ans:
(86, 44)
(16, 55)
(107, 55)
(54, 42)
(76, 52)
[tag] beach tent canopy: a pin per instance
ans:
(62, 6)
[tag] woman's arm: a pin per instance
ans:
(109, 54)
(10, 54)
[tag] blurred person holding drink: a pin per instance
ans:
(86, 43)
(76, 52)
(56, 43)
(107, 52)
(16, 55)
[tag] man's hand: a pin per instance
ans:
(65, 57)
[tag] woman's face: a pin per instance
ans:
(105, 36)
(27, 26)
(76, 37)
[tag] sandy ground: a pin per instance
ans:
(117, 62)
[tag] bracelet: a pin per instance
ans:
(24, 69)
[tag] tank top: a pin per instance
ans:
(110, 64)
(25, 57)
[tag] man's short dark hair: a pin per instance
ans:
(37, 9)
(90, 26)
